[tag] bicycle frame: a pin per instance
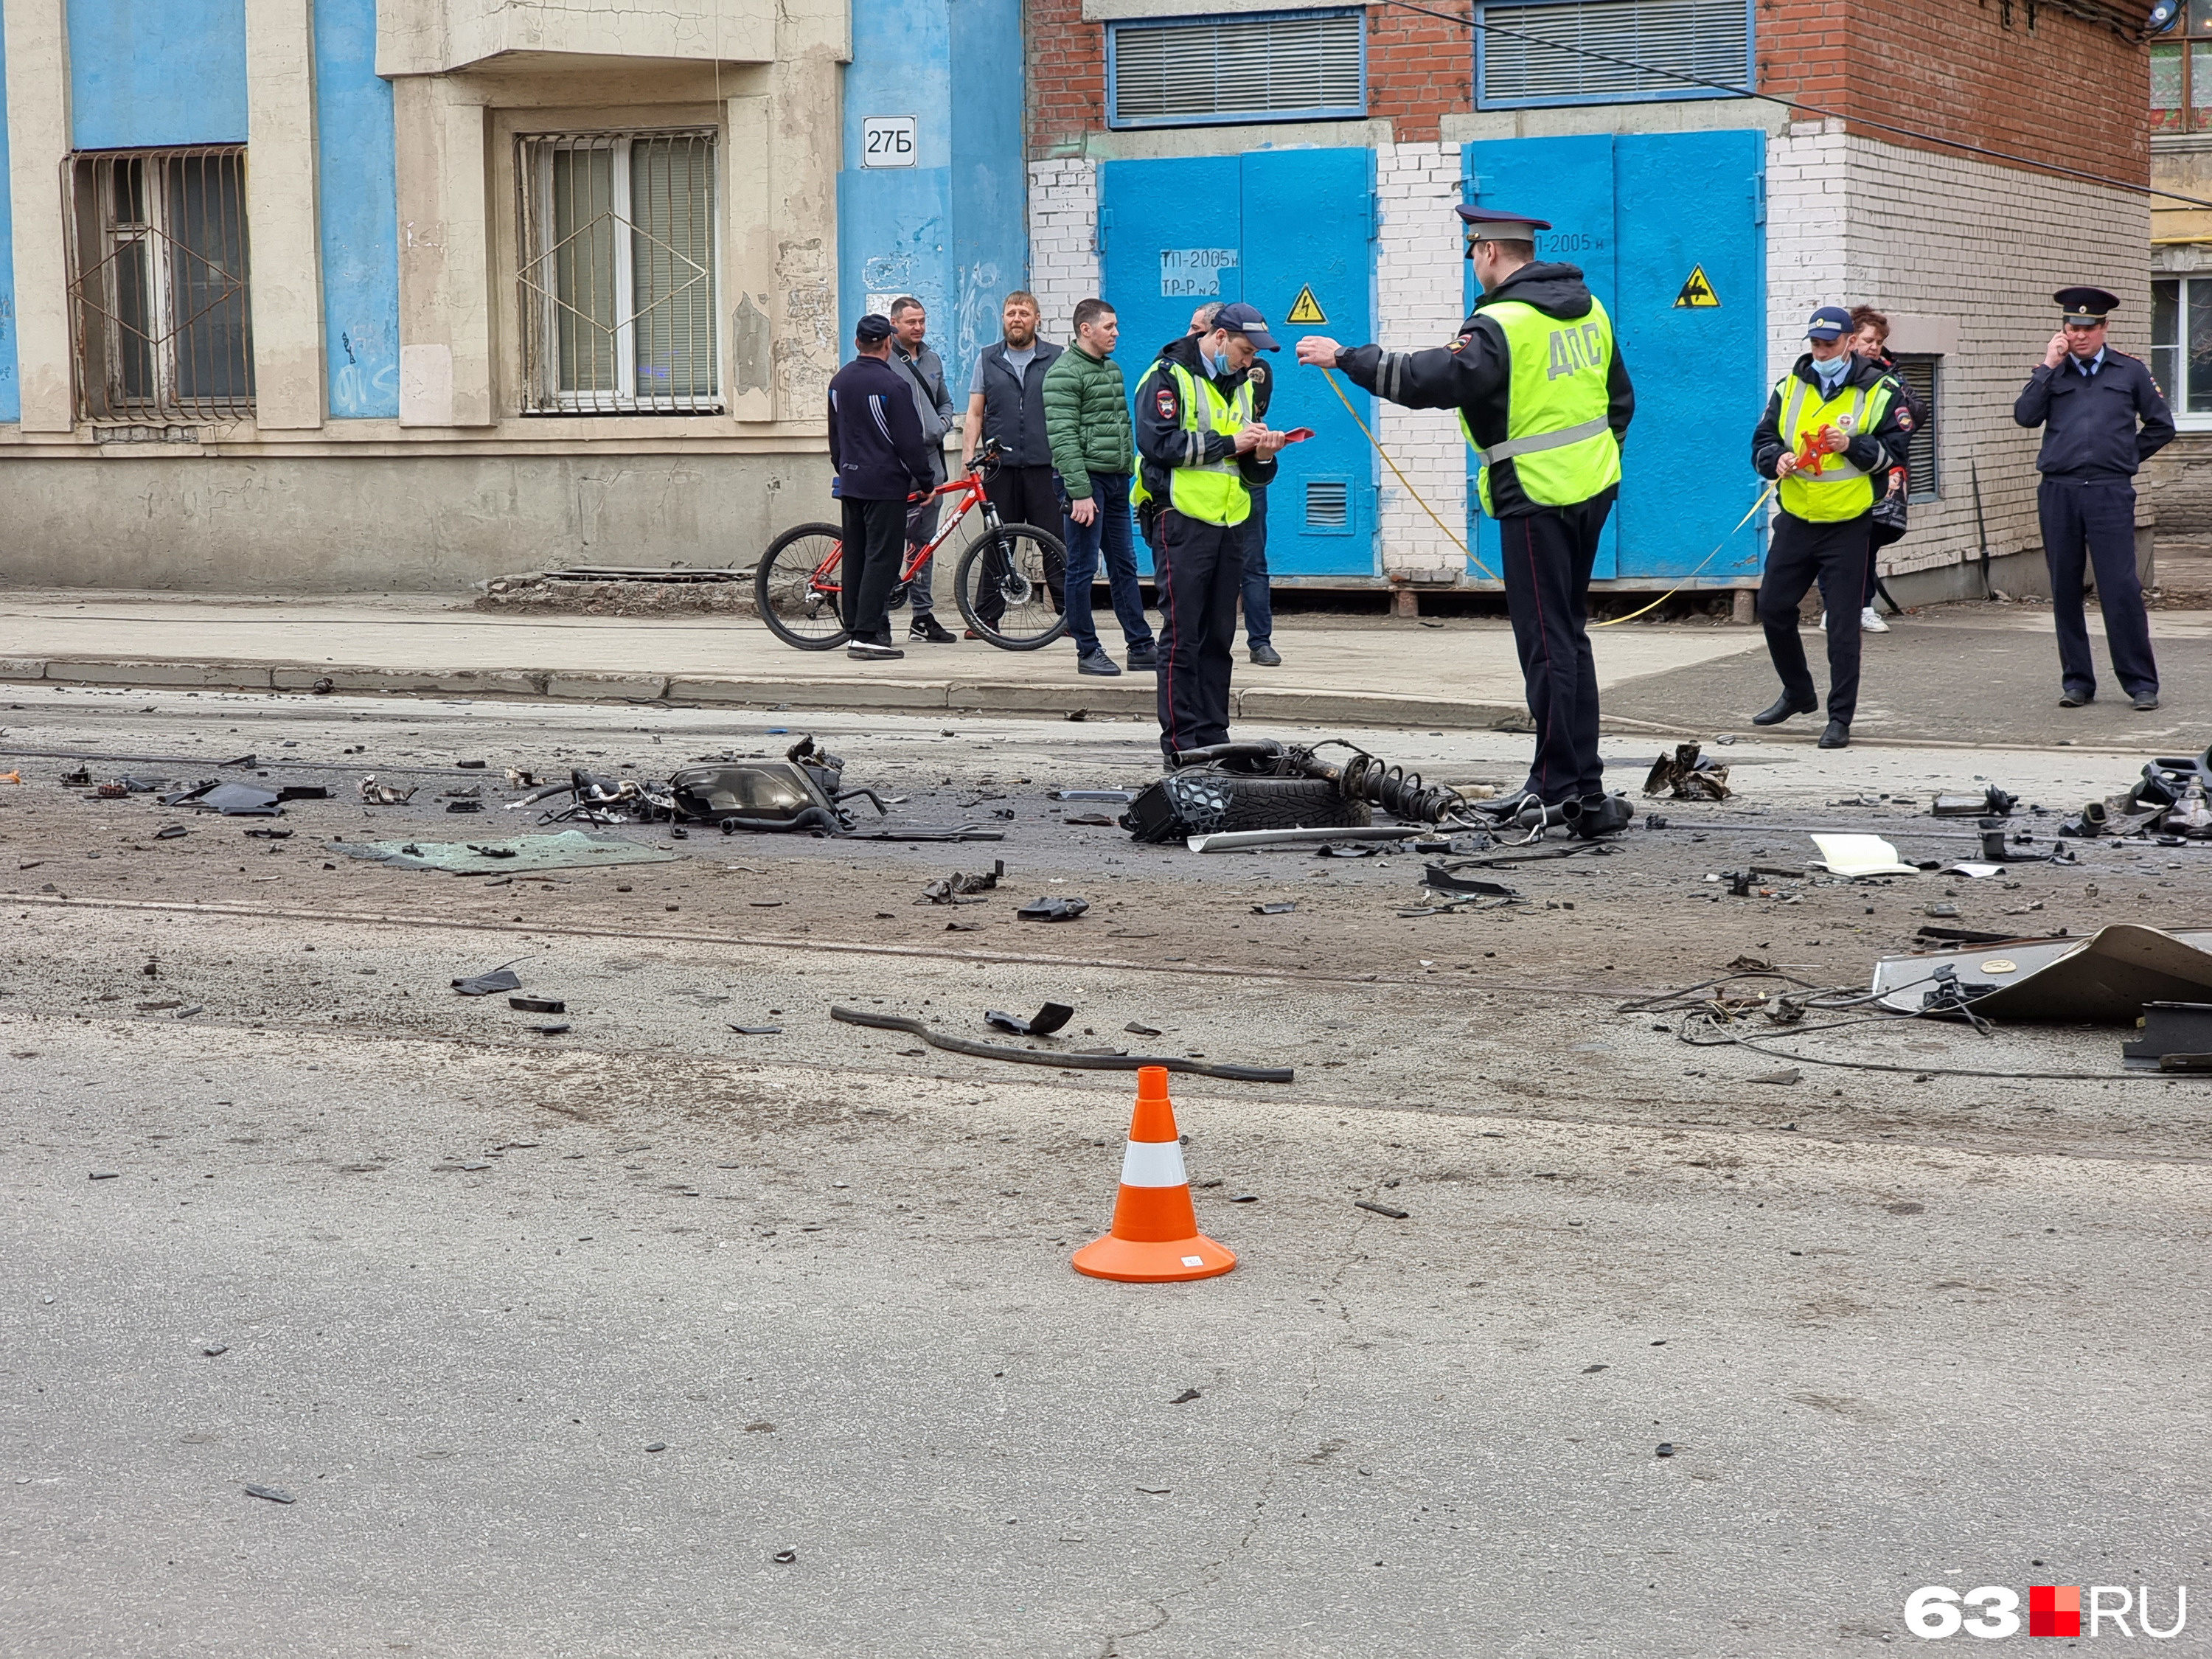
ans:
(968, 488)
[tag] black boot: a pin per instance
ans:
(1838, 736)
(1781, 708)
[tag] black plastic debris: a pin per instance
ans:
(1044, 1022)
(1666, 1449)
(758, 1030)
(233, 800)
(1439, 877)
(271, 834)
(1115, 796)
(272, 1494)
(1992, 802)
(303, 791)
(1053, 909)
(552, 1028)
(80, 778)
(1380, 1209)
(465, 806)
(242, 760)
(537, 1005)
(324, 687)
(170, 832)
(784, 1557)
(959, 889)
(483, 985)
(1093, 820)
(104, 1175)
(1139, 1028)
(1187, 1396)
(471, 765)
(2177, 1037)
(216, 1350)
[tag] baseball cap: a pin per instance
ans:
(872, 328)
(1241, 319)
(1828, 323)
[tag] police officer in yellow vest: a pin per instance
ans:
(1829, 431)
(1544, 400)
(1200, 451)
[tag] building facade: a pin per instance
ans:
(1305, 155)
(401, 293)
(2179, 481)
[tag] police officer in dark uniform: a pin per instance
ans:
(1544, 399)
(2088, 399)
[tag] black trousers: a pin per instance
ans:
(1546, 559)
(1835, 555)
(1024, 494)
(1197, 570)
(875, 548)
(2099, 514)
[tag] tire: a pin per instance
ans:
(800, 608)
(1026, 565)
(1292, 804)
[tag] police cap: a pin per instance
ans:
(1486, 225)
(2085, 305)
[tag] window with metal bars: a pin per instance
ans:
(162, 326)
(617, 273)
(1923, 483)
(1589, 52)
(1268, 66)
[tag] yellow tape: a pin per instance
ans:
(1765, 495)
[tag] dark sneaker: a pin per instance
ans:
(870, 651)
(1266, 656)
(2069, 698)
(2148, 702)
(931, 631)
(1144, 659)
(1097, 662)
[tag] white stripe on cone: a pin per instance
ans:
(1154, 1163)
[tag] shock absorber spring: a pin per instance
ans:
(1396, 791)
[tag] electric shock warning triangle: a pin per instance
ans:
(1305, 309)
(1697, 293)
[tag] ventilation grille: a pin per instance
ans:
(1328, 504)
(1239, 68)
(1919, 372)
(1599, 49)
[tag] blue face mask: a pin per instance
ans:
(1217, 366)
(1831, 372)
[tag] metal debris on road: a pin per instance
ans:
(1046, 1020)
(1136, 1028)
(758, 1030)
(2106, 978)
(960, 889)
(485, 984)
(2176, 1036)
(1380, 1209)
(537, 1005)
(1992, 802)
(272, 1494)
(1064, 1060)
(373, 794)
(1686, 776)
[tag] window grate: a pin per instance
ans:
(1922, 481)
(161, 325)
(1299, 65)
(617, 273)
(1545, 59)
(1328, 505)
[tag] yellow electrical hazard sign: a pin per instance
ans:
(1306, 308)
(1697, 293)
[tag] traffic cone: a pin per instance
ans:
(1155, 1238)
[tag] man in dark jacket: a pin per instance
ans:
(912, 356)
(1201, 455)
(1086, 413)
(876, 453)
(1829, 437)
(1005, 403)
(1549, 439)
(2087, 398)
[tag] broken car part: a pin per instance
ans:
(2106, 978)
(957, 888)
(1053, 909)
(537, 1005)
(373, 794)
(1993, 802)
(1684, 776)
(1066, 1061)
(1044, 1022)
(571, 849)
(2171, 1031)
(1231, 786)
(1241, 841)
(483, 985)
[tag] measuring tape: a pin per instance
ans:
(1765, 495)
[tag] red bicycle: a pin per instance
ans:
(1009, 583)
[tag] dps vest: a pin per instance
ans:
(1212, 492)
(1830, 489)
(1557, 435)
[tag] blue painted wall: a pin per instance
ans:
(360, 214)
(11, 389)
(156, 72)
(950, 230)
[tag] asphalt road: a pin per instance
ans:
(463, 1277)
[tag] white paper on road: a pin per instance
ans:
(1977, 871)
(1860, 855)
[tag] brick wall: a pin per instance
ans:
(1419, 300)
(1063, 214)
(2062, 91)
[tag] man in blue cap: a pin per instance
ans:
(1829, 430)
(2088, 399)
(1545, 400)
(1200, 451)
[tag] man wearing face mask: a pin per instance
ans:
(1829, 431)
(1201, 452)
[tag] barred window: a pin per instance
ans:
(1918, 370)
(158, 300)
(617, 273)
(1580, 51)
(1288, 66)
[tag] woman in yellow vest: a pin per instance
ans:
(1830, 430)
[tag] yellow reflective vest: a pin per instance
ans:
(1830, 489)
(1212, 492)
(1557, 433)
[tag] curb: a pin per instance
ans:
(1133, 696)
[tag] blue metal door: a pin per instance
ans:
(1653, 219)
(1260, 228)
(1568, 181)
(1691, 205)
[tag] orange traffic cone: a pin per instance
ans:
(1155, 1238)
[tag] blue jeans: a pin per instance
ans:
(1259, 603)
(1107, 532)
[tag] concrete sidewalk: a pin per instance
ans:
(1460, 674)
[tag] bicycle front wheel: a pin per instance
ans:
(797, 585)
(1011, 587)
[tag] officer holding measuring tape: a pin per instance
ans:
(1545, 400)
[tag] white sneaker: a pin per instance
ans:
(1871, 623)
(1824, 622)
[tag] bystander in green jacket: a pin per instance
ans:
(1086, 419)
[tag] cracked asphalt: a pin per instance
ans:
(655, 1339)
